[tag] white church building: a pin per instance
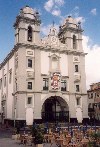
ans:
(43, 80)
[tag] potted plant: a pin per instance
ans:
(95, 139)
(37, 134)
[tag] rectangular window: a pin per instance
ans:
(91, 95)
(4, 81)
(30, 63)
(10, 77)
(0, 83)
(77, 88)
(78, 101)
(74, 42)
(45, 83)
(16, 64)
(29, 100)
(29, 85)
(16, 86)
(76, 68)
(63, 85)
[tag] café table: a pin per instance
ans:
(59, 141)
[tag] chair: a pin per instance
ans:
(65, 143)
(29, 140)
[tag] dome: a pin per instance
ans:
(28, 10)
(71, 20)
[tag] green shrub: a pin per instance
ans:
(37, 134)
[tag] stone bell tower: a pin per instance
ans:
(70, 33)
(27, 26)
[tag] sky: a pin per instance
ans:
(86, 11)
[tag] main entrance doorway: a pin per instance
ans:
(55, 109)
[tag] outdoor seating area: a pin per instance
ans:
(79, 136)
(70, 136)
(25, 139)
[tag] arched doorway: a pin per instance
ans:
(55, 109)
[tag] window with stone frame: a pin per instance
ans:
(16, 84)
(77, 88)
(97, 94)
(29, 35)
(54, 62)
(91, 95)
(74, 42)
(45, 83)
(5, 81)
(77, 101)
(30, 63)
(76, 68)
(63, 85)
(0, 83)
(10, 76)
(29, 100)
(29, 86)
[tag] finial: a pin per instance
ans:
(69, 16)
(79, 25)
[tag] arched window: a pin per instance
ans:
(54, 63)
(29, 33)
(74, 42)
(53, 32)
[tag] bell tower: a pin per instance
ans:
(27, 26)
(70, 33)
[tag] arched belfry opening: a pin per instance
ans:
(55, 109)
(29, 33)
(74, 42)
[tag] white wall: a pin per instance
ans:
(64, 65)
(44, 62)
(5, 74)
(0, 89)
(10, 89)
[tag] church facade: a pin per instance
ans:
(43, 80)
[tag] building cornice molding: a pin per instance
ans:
(26, 20)
(43, 48)
(77, 94)
(10, 54)
(71, 29)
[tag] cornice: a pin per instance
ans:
(48, 91)
(49, 48)
(77, 94)
(43, 48)
(64, 29)
(26, 20)
(8, 57)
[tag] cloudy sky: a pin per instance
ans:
(86, 11)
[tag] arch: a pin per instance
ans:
(74, 42)
(58, 95)
(29, 33)
(54, 108)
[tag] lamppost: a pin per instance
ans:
(15, 100)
